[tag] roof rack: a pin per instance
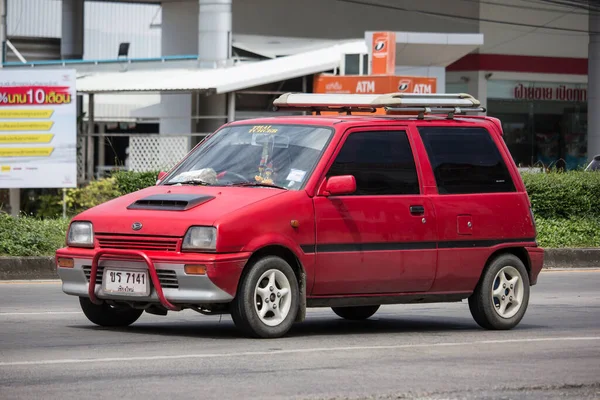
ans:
(450, 104)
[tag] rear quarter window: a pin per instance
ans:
(466, 160)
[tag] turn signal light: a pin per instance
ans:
(66, 262)
(195, 269)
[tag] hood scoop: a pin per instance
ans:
(170, 202)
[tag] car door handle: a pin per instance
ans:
(417, 210)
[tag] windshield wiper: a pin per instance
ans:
(190, 182)
(258, 184)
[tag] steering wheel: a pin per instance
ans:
(225, 173)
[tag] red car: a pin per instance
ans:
(267, 217)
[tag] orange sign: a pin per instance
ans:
(368, 84)
(383, 53)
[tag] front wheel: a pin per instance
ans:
(355, 313)
(267, 300)
(107, 315)
(500, 299)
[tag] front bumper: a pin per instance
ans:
(170, 285)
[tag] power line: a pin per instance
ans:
(577, 4)
(454, 16)
(523, 34)
(523, 7)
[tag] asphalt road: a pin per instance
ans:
(48, 350)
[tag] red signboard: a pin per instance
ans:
(561, 93)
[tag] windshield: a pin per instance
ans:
(262, 155)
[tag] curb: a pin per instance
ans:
(27, 268)
(572, 258)
(36, 268)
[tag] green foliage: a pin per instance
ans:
(573, 232)
(95, 193)
(129, 182)
(574, 194)
(28, 236)
(566, 207)
(78, 199)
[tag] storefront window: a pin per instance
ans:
(544, 124)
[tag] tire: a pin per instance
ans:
(255, 296)
(489, 309)
(109, 316)
(355, 313)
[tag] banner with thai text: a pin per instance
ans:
(38, 129)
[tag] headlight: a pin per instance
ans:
(81, 234)
(200, 238)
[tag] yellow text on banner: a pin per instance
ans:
(26, 126)
(26, 152)
(26, 138)
(26, 114)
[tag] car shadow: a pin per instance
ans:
(311, 327)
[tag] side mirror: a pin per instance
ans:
(161, 175)
(339, 185)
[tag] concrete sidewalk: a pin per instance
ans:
(23, 268)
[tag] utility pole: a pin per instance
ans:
(14, 194)
(593, 92)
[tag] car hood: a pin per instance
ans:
(170, 210)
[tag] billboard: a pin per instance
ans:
(38, 129)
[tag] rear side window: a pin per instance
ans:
(466, 160)
(381, 161)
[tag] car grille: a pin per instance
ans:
(167, 277)
(138, 243)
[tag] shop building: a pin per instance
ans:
(527, 62)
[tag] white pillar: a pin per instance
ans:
(231, 107)
(214, 51)
(15, 202)
(593, 94)
(71, 42)
(477, 86)
(200, 27)
(179, 36)
(214, 32)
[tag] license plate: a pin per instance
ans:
(132, 283)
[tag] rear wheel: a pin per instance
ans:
(355, 313)
(107, 315)
(502, 296)
(267, 300)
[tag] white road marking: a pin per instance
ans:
(290, 351)
(40, 313)
(30, 281)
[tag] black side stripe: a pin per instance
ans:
(308, 248)
(362, 247)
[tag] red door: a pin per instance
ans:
(382, 238)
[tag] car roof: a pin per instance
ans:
(332, 120)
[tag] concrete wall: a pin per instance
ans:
(340, 20)
(507, 39)
(109, 23)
